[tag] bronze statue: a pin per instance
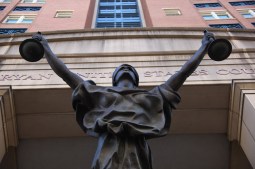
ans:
(124, 116)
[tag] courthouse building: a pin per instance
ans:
(212, 128)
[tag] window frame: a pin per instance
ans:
(33, 2)
(120, 9)
(214, 26)
(37, 8)
(3, 1)
(11, 30)
(232, 3)
(63, 11)
(197, 5)
(250, 11)
(216, 14)
(2, 8)
(20, 18)
(172, 11)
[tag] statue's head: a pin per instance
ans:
(122, 70)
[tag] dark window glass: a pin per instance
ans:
(128, 15)
(118, 25)
(242, 3)
(226, 26)
(105, 25)
(253, 24)
(132, 24)
(12, 31)
(23, 8)
(107, 1)
(106, 7)
(107, 15)
(2, 8)
(208, 5)
(129, 7)
(118, 15)
(128, 0)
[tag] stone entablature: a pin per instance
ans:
(157, 53)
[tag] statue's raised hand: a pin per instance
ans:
(38, 36)
(208, 38)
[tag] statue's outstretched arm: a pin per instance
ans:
(72, 79)
(177, 80)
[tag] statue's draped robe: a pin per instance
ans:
(123, 119)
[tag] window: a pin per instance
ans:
(210, 15)
(20, 19)
(2, 8)
(247, 13)
(5, 1)
(116, 13)
(64, 14)
(226, 25)
(208, 5)
(242, 3)
(172, 12)
(33, 1)
(12, 31)
(25, 8)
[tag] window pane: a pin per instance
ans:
(105, 25)
(207, 5)
(34, 1)
(208, 17)
(226, 26)
(27, 21)
(40, 1)
(28, 1)
(242, 3)
(11, 20)
(12, 31)
(19, 8)
(223, 16)
(247, 15)
(5, 1)
(2, 8)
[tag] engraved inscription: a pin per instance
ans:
(95, 75)
(235, 71)
(162, 74)
(25, 77)
(144, 74)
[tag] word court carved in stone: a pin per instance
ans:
(235, 71)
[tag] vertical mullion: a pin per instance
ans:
(21, 18)
(251, 12)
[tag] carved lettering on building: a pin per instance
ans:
(95, 75)
(25, 77)
(235, 71)
(145, 74)
(162, 74)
